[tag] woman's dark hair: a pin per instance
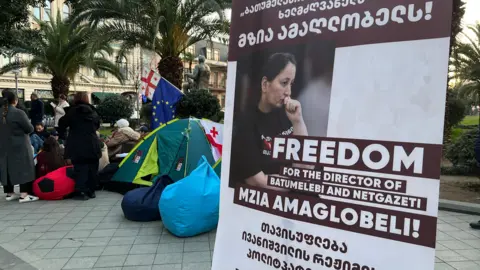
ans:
(9, 98)
(276, 63)
(80, 97)
(62, 96)
(53, 154)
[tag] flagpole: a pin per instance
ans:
(139, 108)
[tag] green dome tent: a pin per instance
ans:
(173, 148)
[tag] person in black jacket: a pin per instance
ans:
(82, 144)
(37, 111)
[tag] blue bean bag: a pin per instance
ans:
(190, 206)
(141, 204)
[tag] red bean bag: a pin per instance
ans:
(55, 185)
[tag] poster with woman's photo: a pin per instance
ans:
(333, 134)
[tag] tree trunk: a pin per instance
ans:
(60, 85)
(171, 68)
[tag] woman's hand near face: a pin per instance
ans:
(293, 109)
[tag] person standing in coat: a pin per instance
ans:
(37, 111)
(82, 144)
(59, 108)
(16, 156)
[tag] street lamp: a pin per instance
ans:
(16, 71)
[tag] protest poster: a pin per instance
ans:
(333, 134)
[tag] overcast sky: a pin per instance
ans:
(472, 13)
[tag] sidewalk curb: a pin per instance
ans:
(459, 207)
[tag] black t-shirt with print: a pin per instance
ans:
(252, 144)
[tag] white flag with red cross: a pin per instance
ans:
(214, 132)
(150, 79)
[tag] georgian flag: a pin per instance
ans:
(149, 81)
(214, 132)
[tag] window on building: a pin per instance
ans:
(44, 94)
(66, 11)
(42, 70)
(209, 53)
(20, 92)
(190, 50)
(221, 79)
(36, 12)
(100, 74)
(123, 66)
(216, 54)
(215, 79)
(222, 101)
(212, 79)
(47, 10)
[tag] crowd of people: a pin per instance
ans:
(74, 141)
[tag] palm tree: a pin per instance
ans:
(467, 65)
(458, 11)
(166, 27)
(61, 50)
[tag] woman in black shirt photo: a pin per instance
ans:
(275, 114)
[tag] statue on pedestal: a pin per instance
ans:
(200, 77)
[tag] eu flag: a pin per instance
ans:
(164, 100)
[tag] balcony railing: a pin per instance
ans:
(216, 85)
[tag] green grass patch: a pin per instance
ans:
(457, 132)
(470, 120)
(105, 131)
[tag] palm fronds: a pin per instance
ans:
(62, 48)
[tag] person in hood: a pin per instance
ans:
(59, 108)
(82, 146)
(124, 134)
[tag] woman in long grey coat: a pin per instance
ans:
(16, 155)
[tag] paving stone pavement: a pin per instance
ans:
(94, 235)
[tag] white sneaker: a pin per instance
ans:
(28, 198)
(12, 197)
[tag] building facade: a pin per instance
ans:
(86, 80)
(100, 85)
(216, 54)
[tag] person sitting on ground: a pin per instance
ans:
(41, 131)
(56, 136)
(38, 137)
(50, 158)
(143, 130)
(36, 142)
(123, 135)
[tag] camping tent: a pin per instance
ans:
(173, 149)
(218, 167)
